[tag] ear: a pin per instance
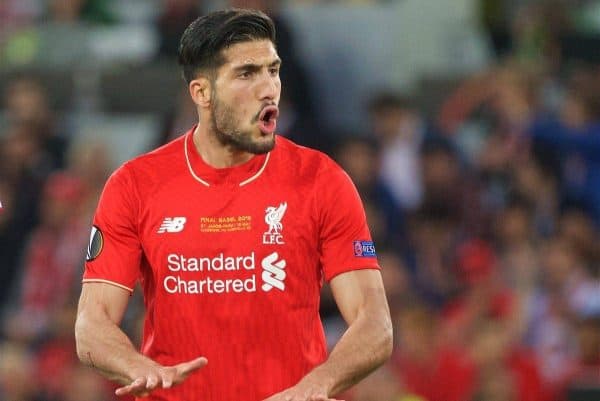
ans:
(201, 91)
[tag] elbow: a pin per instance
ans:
(383, 344)
(382, 338)
(386, 344)
(80, 340)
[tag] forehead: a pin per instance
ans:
(254, 52)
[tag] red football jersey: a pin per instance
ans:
(231, 261)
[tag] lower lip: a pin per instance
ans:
(267, 128)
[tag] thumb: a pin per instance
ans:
(185, 368)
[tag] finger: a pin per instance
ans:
(151, 382)
(166, 379)
(137, 385)
(185, 368)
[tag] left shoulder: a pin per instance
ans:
(302, 158)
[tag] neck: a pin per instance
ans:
(213, 152)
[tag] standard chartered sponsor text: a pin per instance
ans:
(184, 282)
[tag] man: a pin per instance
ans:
(231, 231)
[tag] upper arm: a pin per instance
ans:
(344, 237)
(360, 291)
(115, 251)
(101, 300)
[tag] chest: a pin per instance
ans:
(226, 218)
(231, 239)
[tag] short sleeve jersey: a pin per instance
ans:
(231, 261)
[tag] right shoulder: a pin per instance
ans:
(138, 179)
(167, 156)
(151, 167)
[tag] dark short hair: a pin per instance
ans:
(204, 39)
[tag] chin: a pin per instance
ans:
(266, 137)
(263, 145)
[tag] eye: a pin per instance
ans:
(245, 74)
(274, 70)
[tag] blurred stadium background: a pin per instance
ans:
(470, 127)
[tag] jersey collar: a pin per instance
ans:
(209, 176)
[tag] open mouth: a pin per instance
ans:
(267, 119)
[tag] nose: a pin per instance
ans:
(269, 87)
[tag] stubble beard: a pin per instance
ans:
(224, 126)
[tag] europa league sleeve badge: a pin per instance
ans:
(96, 244)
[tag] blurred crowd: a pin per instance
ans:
(485, 211)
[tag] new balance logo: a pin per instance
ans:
(273, 273)
(172, 225)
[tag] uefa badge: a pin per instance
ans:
(364, 249)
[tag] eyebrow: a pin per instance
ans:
(256, 67)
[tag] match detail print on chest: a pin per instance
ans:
(268, 222)
(225, 252)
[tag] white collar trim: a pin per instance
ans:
(200, 180)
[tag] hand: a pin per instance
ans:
(289, 396)
(302, 392)
(160, 377)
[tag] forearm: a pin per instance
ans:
(102, 345)
(366, 345)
